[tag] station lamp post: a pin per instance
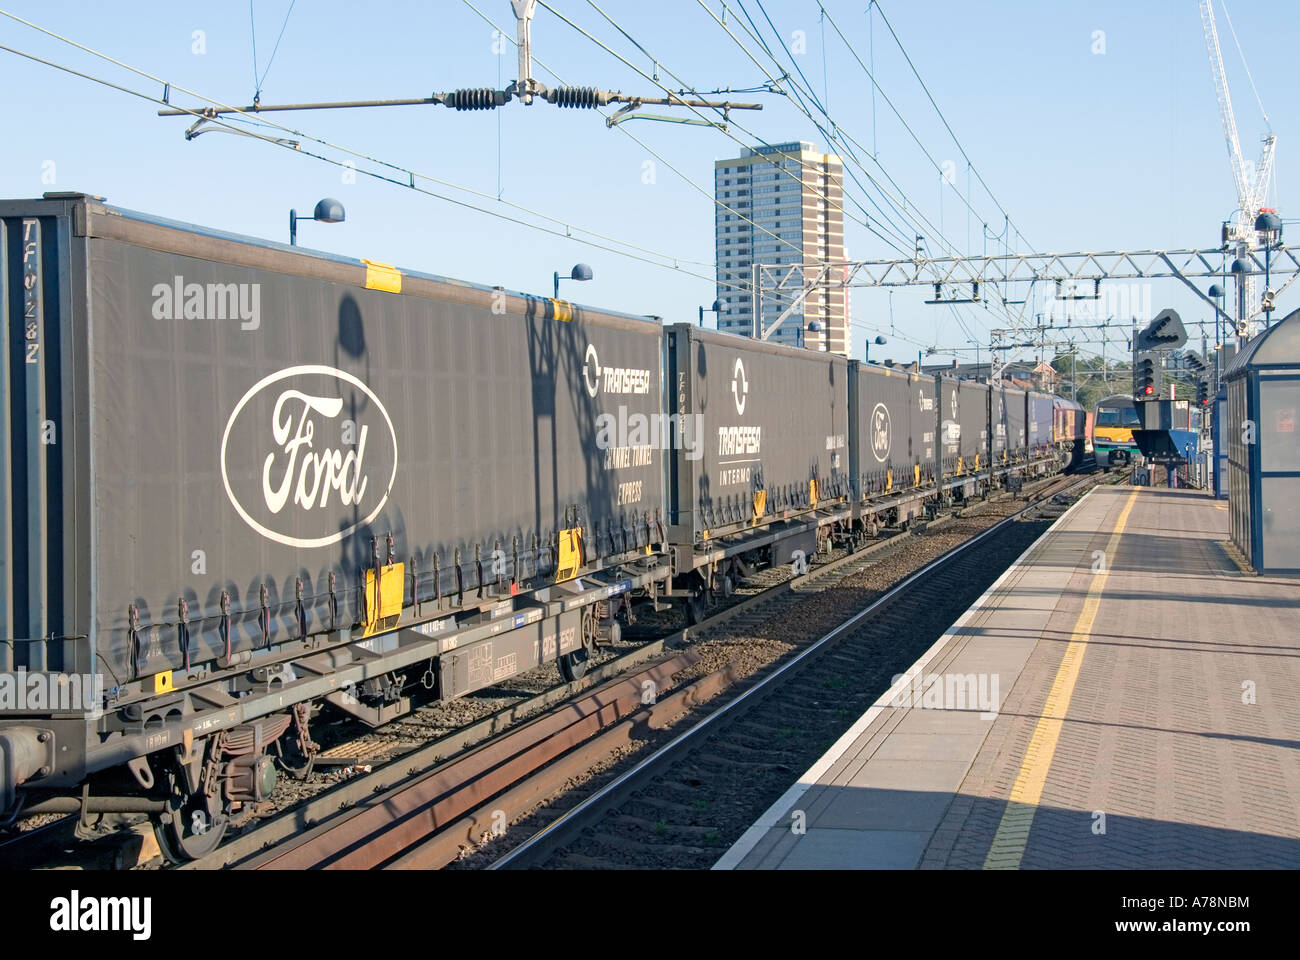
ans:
(1240, 271)
(1217, 294)
(328, 210)
(716, 308)
(1269, 227)
(866, 353)
(814, 326)
(977, 361)
(580, 271)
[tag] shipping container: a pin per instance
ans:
(761, 433)
(964, 413)
(213, 443)
(893, 424)
(1042, 425)
(1007, 417)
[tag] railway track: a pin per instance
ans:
(693, 793)
(434, 816)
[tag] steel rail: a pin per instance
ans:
(540, 843)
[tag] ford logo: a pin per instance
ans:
(880, 441)
(313, 449)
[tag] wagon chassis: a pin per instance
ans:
(209, 752)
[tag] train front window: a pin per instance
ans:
(1127, 417)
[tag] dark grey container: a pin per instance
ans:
(221, 481)
(893, 420)
(964, 404)
(1007, 417)
(769, 424)
(1040, 427)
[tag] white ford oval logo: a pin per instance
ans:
(310, 456)
(880, 439)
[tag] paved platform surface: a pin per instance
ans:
(1123, 697)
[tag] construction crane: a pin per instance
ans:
(1239, 233)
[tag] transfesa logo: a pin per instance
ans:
(623, 380)
(739, 386)
(308, 455)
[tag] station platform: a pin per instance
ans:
(1124, 696)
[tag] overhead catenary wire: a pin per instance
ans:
(907, 209)
(370, 173)
(944, 119)
(837, 132)
(886, 222)
(837, 135)
(833, 135)
(659, 63)
(696, 110)
(746, 285)
(252, 29)
(257, 92)
(659, 157)
(671, 261)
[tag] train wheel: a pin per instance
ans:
(192, 826)
(296, 751)
(573, 666)
(696, 608)
(614, 632)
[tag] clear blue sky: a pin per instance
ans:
(1085, 150)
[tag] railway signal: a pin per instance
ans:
(1165, 332)
(1146, 373)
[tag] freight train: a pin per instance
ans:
(243, 482)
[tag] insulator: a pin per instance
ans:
(478, 98)
(582, 98)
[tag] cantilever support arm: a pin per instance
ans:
(525, 86)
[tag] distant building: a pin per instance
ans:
(796, 193)
(1036, 375)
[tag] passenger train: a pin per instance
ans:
(1114, 420)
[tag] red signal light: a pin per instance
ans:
(1148, 390)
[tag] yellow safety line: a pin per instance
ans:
(1009, 842)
